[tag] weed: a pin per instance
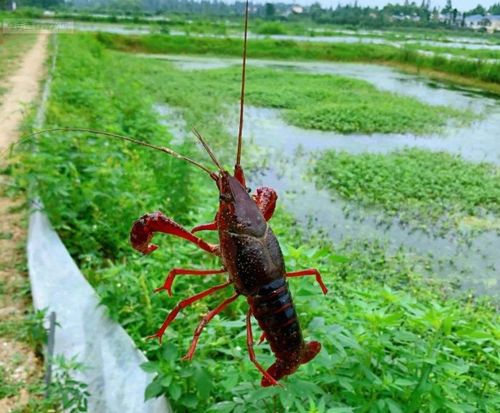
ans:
(414, 184)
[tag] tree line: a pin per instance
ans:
(405, 13)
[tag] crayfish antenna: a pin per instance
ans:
(208, 149)
(242, 95)
(123, 138)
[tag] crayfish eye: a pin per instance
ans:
(249, 189)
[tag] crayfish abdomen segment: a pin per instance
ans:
(273, 308)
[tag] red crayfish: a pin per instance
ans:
(251, 256)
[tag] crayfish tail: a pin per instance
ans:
(275, 372)
(310, 351)
(281, 368)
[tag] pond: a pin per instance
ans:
(471, 258)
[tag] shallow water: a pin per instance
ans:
(288, 150)
(478, 142)
(473, 263)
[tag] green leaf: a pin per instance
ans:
(165, 382)
(175, 391)
(154, 389)
(203, 383)
(189, 400)
(223, 407)
(150, 366)
(170, 352)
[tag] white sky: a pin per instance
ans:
(459, 4)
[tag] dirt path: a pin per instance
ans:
(23, 86)
(19, 365)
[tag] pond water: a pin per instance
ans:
(472, 259)
(382, 77)
(478, 142)
(350, 38)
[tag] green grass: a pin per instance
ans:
(392, 341)
(288, 49)
(12, 47)
(458, 52)
(413, 184)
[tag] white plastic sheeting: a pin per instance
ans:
(116, 382)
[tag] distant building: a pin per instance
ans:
(476, 21)
(296, 9)
(494, 23)
(405, 17)
(490, 22)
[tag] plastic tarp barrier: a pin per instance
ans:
(116, 382)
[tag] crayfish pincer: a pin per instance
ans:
(250, 255)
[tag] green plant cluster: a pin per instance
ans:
(392, 341)
(346, 105)
(414, 184)
(290, 49)
(64, 393)
(323, 102)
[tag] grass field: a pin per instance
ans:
(459, 52)
(392, 340)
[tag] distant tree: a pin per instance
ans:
(435, 14)
(270, 11)
(476, 10)
(317, 12)
(494, 9)
(42, 4)
(448, 8)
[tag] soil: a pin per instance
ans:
(18, 361)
